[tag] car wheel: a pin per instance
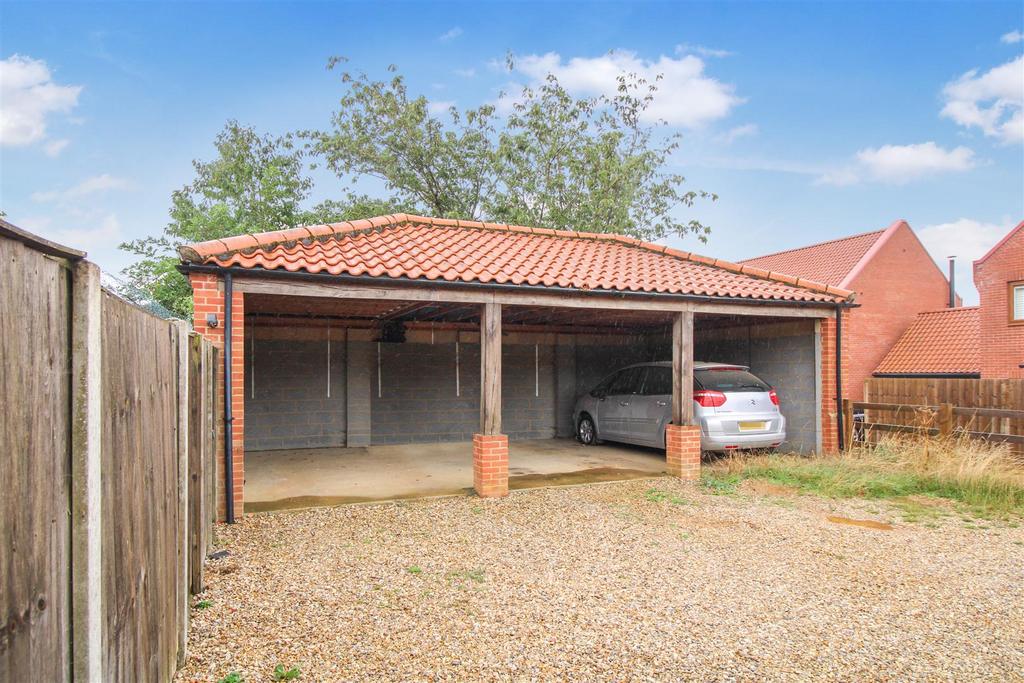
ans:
(586, 432)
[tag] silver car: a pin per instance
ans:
(735, 409)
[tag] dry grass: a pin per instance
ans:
(984, 477)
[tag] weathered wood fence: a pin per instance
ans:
(108, 505)
(987, 409)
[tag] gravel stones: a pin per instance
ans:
(610, 582)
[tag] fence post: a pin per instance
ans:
(847, 424)
(945, 419)
(86, 487)
(183, 490)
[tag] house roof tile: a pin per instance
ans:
(945, 342)
(830, 262)
(417, 247)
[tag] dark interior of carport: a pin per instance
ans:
(362, 399)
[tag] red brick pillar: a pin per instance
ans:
(207, 298)
(829, 406)
(490, 465)
(682, 451)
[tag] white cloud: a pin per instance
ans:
(89, 238)
(733, 134)
(450, 34)
(55, 147)
(439, 106)
(991, 101)
(968, 240)
(465, 73)
(686, 48)
(29, 96)
(686, 97)
(1012, 38)
(89, 186)
(898, 164)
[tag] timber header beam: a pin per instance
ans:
(450, 293)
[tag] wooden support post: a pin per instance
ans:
(945, 420)
(86, 443)
(490, 446)
(847, 424)
(182, 582)
(682, 369)
(682, 437)
(490, 370)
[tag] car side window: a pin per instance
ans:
(658, 381)
(626, 382)
(602, 388)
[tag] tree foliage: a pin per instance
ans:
(256, 183)
(555, 161)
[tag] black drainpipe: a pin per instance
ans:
(839, 374)
(229, 479)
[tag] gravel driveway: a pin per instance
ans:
(613, 582)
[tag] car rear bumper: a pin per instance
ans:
(716, 438)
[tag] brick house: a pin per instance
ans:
(985, 341)
(894, 279)
(403, 329)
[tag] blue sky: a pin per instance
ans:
(812, 121)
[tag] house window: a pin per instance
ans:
(1017, 302)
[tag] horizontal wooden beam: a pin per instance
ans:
(449, 294)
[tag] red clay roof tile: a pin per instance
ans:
(943, 342)
(827, 262)
(414, 247)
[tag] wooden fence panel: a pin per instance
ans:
(140, 494)
(1006, 394)
(35, 467)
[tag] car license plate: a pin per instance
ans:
(751, 426)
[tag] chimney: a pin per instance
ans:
(952, 281)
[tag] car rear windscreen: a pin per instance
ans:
(729, 380)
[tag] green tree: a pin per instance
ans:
(256, 183)
(555, 161)
(379, 131)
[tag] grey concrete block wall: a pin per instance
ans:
(286, 394)
(785, 361)
(419, 402)
(361, 357)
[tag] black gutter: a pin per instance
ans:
(839, 375)
(229, 479)
(261, 273)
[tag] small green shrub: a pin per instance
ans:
(283, 674)
(233, 677)
(203, 604)
(414, 569)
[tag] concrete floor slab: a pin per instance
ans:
(277, 480)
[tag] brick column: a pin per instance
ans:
(208, 297)
(682, 451)
(490, 465)
(829, 406)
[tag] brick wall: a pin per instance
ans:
(208, 297)
(900, 281)
(783, 355)
(1002, 345)
(829, 405)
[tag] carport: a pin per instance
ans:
(394, 349)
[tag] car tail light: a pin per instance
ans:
(709, 399)
(774, 397)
